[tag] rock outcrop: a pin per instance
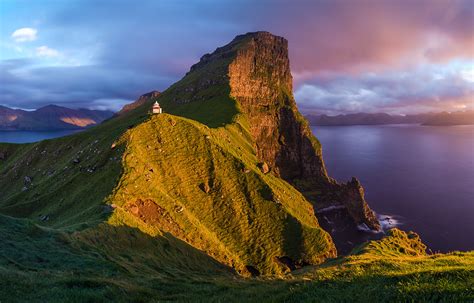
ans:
(139, 102)
(259, 77)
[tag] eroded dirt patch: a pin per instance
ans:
(153, 214)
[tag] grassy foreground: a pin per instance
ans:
(124, 265)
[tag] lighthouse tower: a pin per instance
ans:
(156, 108)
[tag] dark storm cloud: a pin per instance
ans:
(133, 49)
(81, 86)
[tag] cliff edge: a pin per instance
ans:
(256, 68)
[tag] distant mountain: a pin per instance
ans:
(456, 118)
(51, 117)
(352, 119)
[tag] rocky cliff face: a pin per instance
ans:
(258, 73)
(261, 82)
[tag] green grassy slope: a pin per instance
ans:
(204, 186)
(63, 182)
(122, 264)
(105, 263)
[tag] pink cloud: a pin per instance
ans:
(369, 35)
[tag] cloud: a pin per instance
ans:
(109, 104)
(365, 35)
(24, 34)
(468, 74)
(27, 85)
(428, 88)
(45, 51)
(345, 55)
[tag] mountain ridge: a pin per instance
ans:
(442, 118)
(50, 117)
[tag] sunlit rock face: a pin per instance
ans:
(11, 118)
(261, 81)
(7, 116)
(257, 70)
(77, 121)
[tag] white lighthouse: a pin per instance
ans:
(156, 108)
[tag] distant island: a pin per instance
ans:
(50, 118)
(435, 119)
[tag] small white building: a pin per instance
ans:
(156, 108)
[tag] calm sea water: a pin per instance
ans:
(422, 175)
(27, 136)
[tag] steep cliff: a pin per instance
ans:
(255, 69)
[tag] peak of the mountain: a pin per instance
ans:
(50, 117)
(51, 107)
(355, 119)
(7, 110)
(254, 68)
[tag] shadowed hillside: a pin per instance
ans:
(122, 264)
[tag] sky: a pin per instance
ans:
(395, 56)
